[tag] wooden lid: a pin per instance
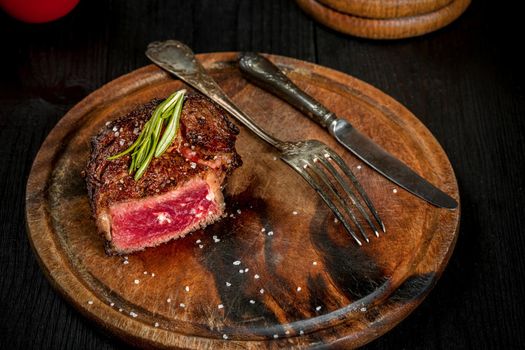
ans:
(386, 8)
(393, 28)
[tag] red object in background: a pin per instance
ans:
(37, 11)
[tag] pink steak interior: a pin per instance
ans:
(154, 220)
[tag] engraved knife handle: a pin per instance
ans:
(265, 74)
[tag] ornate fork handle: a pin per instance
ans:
(178, 59)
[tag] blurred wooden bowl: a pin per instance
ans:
(392, 28)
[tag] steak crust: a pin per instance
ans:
(204, 148)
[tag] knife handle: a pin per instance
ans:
(266, 75)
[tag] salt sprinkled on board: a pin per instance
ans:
(224, 336)
(261, 290)
(256, 276)
(294, 212)
(299, 289)
(318, 308)
(90, 302)
(220, 306)
(156, 324)
(168, 300)
(182, 305)
(252, 301)
(228, 284)
(237, 262)
(187, 288)
(394, 190)
(359, 167)
(136, 281)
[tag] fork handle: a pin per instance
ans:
(178, 59)
(265, 74)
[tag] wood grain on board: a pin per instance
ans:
(390, 28)
(306, 283)
(386, 8)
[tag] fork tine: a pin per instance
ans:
(357, 185)
(327, 200)
(350, 193)
(320, 173)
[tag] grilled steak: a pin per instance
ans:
(179, 192)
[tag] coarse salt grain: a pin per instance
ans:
(168, 300)
(301, 332)
(112, 304)
(198, 241)
(224, 336)
(182, 305)
(237, 262)
(275, 336)
(294, 212)
(299, 289)
(359, 167)
(261, 290)
(133, 314)
(228, 284)
(193, 165)
(287, 332)
(274, 158)
(246, 269)
(136, 281)
(239, 211)
(241, 271)
(125, 262)
(90, 302)
(152, 275)
(318, 308)
(201, 246)
(314, 263)
(145, 272)
(252, 301)
(263, 229)
(270, 233)
(187, 288)
(256, 276)
(394, 190)
(220, 306)
(363, 309)
(335, 220)
(156, 324)
(119, 310)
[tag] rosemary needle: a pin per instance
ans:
(150, 143)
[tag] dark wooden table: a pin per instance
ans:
(464, 82)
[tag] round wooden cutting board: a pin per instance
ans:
(278, 271)
(389, 28)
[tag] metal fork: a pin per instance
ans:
(312, 159)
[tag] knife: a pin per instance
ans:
(265, 74)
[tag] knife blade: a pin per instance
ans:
(268, 76)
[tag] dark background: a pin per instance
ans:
(465, 82)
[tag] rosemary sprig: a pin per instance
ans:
(150, 143)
